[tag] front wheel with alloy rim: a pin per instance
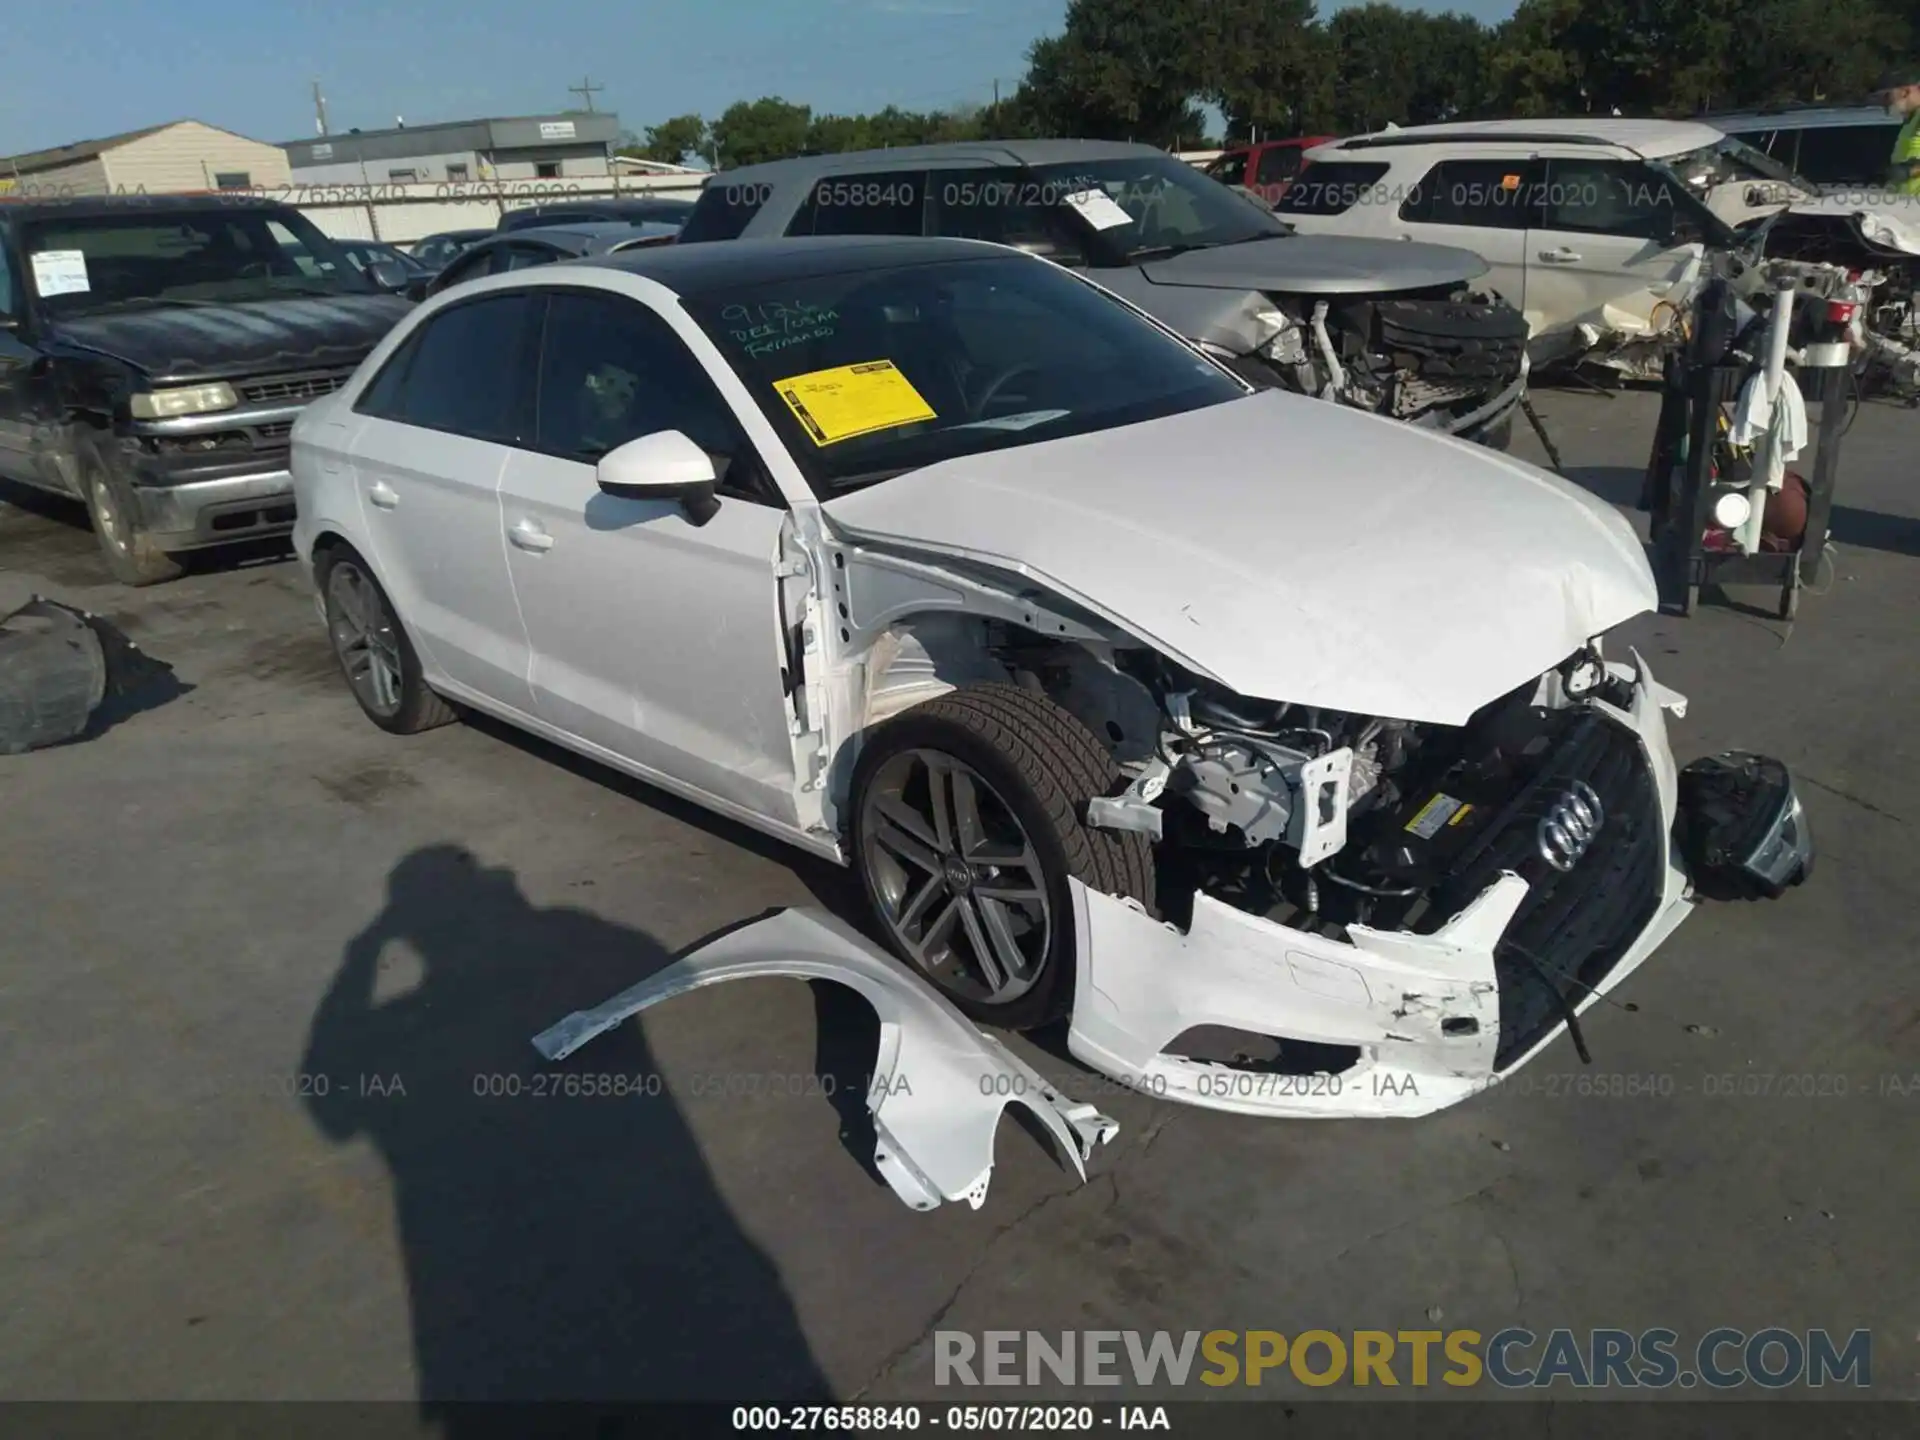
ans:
(132, 557)
(375, 655)
(969, 821)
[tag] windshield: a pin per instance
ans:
(1729, 161)
(1153, 205)
(81, 264)
(887, 369)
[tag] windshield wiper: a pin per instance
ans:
(1161, 252)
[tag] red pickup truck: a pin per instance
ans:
(1264, 168)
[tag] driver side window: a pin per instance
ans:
(1609, 197)
(611, 370)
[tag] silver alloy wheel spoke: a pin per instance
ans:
(940, 801)
(998, 926)
(895, 837)
(968, 837)
(365, 639)
(937, 933)
(983, 952)
(904, 815)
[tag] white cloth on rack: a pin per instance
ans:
(1777, 431)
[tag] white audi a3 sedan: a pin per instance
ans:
(1269, 743)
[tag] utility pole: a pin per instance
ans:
(319, 109)
(586, 90)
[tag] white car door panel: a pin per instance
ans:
(437, 428)
(652, 637)
(1478, 205)
(1603, 250)
(432, 509)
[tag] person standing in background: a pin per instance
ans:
(1900, 93)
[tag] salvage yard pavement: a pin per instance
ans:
(271, 1125)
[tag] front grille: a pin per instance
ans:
(1573, 927)
(276, 430)
(284, 389)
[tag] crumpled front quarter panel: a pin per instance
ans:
(939, 1084)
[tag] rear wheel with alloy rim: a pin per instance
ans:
(375, 655)
(969, 821)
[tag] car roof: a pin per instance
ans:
(1800, 117)
(995, 152)
(580, 234)
(94, 206)
(690, 269)
(448, 235)
(1652, 138)
(606, 204)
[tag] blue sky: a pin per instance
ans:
(87, 68)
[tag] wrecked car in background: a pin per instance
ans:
(1584, 225)
(1604, 230)
(1269, 743)
(1407, 331)
(1860, 243)
(154, 351)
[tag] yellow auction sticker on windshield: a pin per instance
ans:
(851, 400)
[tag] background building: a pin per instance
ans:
(526, 147)
(184, 155)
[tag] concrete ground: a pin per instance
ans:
(261, 965)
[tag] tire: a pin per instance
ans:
(376, 656)
(132, 557)
(946, 905)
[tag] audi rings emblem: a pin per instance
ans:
(1569, 827)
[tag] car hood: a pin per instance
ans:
(1892, 220)
(1318, 265)
(214, 342)
(1291, 549)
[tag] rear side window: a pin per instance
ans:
(724, 209)
(1490, 194)
(1277, 165)
(467, 372)
(1847, 154)
(890, 202)
(1333, 187)
(1609, 197)
(1005, 206)
(520, 256)
(7, 301)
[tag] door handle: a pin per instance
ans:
(1562, 256)
(528, 535)
(383, 495)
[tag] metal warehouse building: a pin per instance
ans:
(525, 147)
(184, 155)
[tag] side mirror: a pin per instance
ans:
(663, 466)
(388, 276)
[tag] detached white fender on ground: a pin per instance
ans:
(939, 1084)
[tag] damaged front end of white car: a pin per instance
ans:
(1302, 791)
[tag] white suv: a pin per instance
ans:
(1588, 224)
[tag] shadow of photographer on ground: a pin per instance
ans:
(558, 1247)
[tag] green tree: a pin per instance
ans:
(671, 141)
(769, 128)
